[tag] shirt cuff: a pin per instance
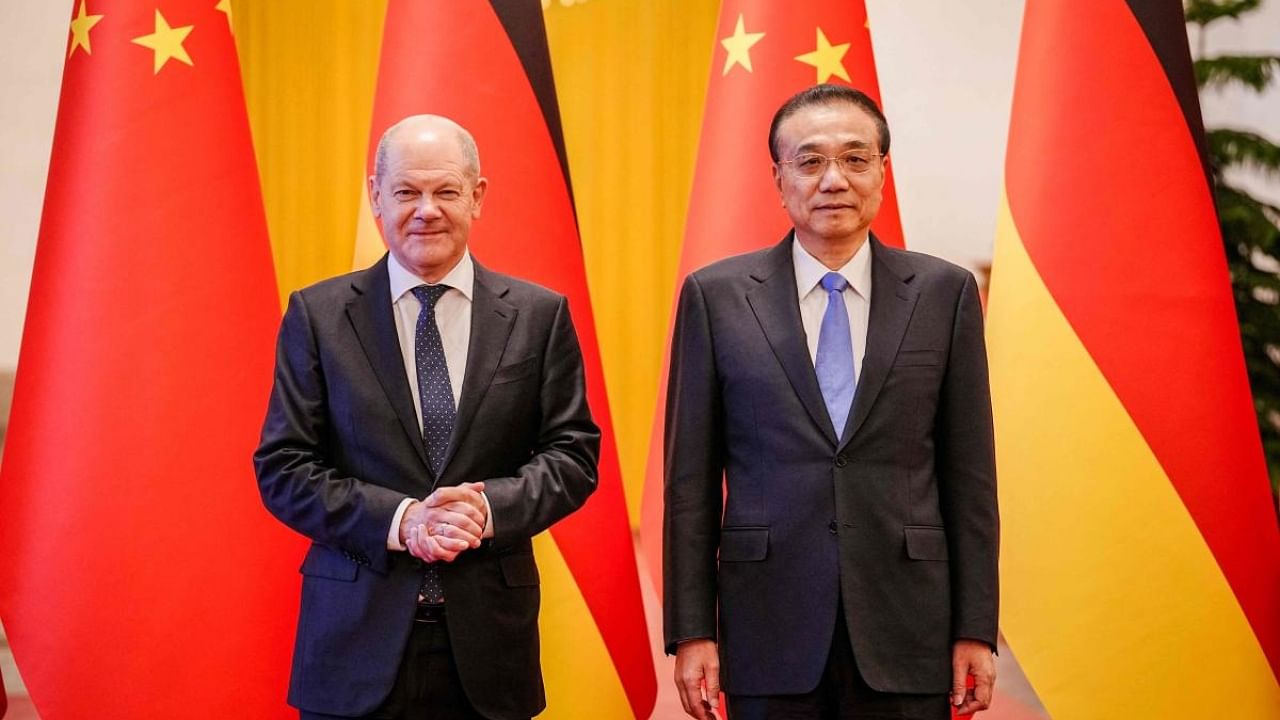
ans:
(488, 518)
(393, 535)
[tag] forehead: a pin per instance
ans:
(831, 126)
(424, 152)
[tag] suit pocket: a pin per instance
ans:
(519, 570)
(744, 544)
(926, 542)
(918, 358)
(515, 371)
(323, 561)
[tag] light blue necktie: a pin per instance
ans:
(438, 412)
(834, 361)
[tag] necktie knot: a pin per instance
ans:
(834, 282)
(429, 294)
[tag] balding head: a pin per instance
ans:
(426, 191)
(428, 128)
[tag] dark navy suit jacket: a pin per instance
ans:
(893, 520)
(341, 448)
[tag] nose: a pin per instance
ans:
(833, 178)
(426, 209)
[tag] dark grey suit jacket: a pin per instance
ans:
(341, 448)
(893, 521)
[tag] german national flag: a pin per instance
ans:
(1141, 561)
(486, 65)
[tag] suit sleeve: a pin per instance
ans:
(965, 447)
(693, 473)
(562, 472)
(297, 479)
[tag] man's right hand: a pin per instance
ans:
(445, 523)
(698, 678)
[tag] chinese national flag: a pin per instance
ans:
(765, 52)
(141, 577)
(596, 656)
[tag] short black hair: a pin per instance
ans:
(828, 94)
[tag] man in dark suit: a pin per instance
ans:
(839, 389)
(429, 416)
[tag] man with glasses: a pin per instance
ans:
(838, 388)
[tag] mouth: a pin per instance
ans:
(833, 207)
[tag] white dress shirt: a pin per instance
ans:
(453, 318)
(813, 299)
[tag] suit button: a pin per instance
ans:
(832, 527)
(841, 460)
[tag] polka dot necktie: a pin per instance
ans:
(438, 411)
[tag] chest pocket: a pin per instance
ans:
(517, 370)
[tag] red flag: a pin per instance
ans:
(141, 575)
(504, 94)
(765, 53)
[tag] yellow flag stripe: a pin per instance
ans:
(1112, 600)
(580, 677)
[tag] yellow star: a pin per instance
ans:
(828, 59)
(81, 24)
(225, 6)
(166, 42)
(738, 46)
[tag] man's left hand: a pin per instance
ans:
(972, 657)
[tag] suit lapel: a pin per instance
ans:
(491, 321)
(777, 309)
(373, 320)
(892, 302)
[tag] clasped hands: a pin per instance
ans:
(445, 523)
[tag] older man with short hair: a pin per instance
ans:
(429, 417)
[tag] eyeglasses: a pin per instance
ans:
(854, 162)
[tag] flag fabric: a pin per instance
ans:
(765, 53)
(487, 67)
(141, 576)
(1141, 559)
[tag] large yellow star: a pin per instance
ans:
(738, 46)
(828, 59)
(81, 24)
(225, 6)
(166, 42)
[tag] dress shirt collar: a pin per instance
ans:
(461, 278)
(809, 270)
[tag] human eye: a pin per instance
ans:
(449, 194)
(405, 194)
(809, 163)
(856, 160)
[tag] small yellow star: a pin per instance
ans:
(828, 59)
(738, 46)
(81, 24)
(166, 42)
(225, 6)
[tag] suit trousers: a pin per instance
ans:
(841, 695)
(427, 685)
